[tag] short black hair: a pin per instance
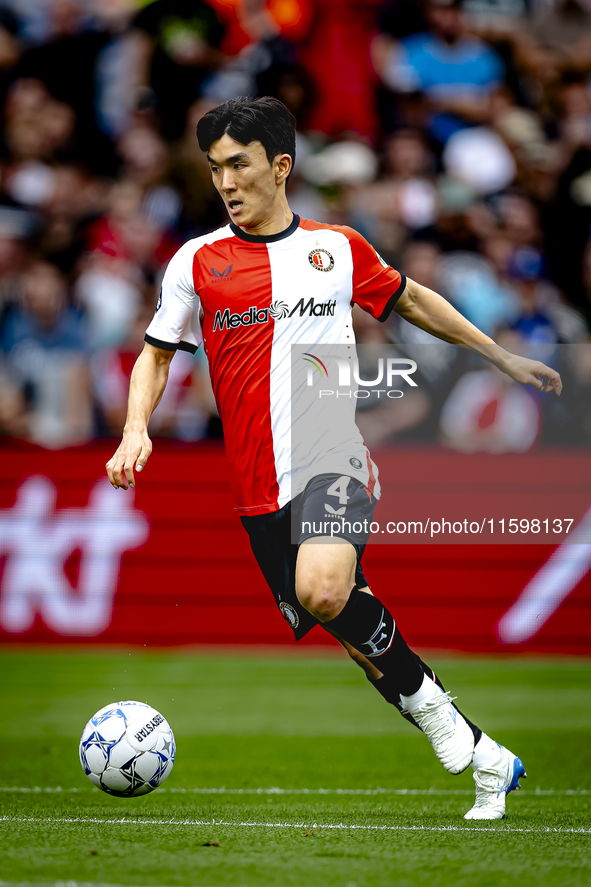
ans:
(245, 119)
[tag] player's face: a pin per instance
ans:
(250, 186)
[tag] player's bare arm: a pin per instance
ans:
(148, 381)
(434, 314)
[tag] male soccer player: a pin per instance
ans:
(246, 279)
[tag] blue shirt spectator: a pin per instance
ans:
(44, 343)
(43, 317)
(456, 71)
(467, 68)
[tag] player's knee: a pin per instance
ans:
(323, 597)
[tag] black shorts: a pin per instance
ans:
(275, 538)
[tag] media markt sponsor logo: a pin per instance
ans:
(314, 309)
(224, 320)
(279, 310)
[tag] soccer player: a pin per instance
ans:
(248, 280)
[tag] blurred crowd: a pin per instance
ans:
(455, 136)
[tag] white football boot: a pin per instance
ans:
(493, 784)
(447, 731)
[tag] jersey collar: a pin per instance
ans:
(266, 238)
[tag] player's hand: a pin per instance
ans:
(133, 452)
(532, 372)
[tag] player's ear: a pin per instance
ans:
(282, 165)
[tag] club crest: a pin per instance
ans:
(321, 259)
(289, 614)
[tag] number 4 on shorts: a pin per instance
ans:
(339, 488)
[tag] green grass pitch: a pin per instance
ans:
(291, 772)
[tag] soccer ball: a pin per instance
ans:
(127, 749)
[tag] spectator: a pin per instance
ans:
(74, 44)
(190, 175)
(405, 196)
(559, 33)
(340, 170)
(38, 134)
(179, 46)
(455, 71)
(10, 48)
(115, 69)
(145, 161)
(44, 343)
(14, 224)
(110, 292)
(124, 233)
(76, 199)
(336, 56)
(543, 317)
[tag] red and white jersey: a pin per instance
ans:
(258, 296)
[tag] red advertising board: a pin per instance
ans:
(170, 564)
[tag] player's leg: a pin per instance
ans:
(325, 571)
(322, 582)
(270, 537)
(388, 687)
(270, 541)
(496, 770)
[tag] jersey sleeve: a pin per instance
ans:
(170, 328)
(376, 286)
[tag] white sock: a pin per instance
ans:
(426, 691)
(486, 753)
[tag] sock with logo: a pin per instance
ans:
(366, 624)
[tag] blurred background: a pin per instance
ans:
(455, 136)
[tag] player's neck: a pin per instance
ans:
(277, 221)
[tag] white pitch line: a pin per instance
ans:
(274, 790)
(340, 826)
(70, 883)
